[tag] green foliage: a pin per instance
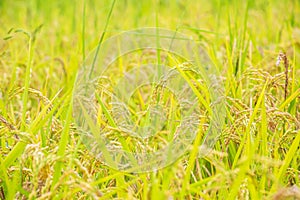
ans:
(42, 45)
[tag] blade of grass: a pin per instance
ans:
(102, 37)
(288, 158)
(192, 160)
(27, 81)
(83, 31)
(62, 145)
(290, 99)
(264, 140)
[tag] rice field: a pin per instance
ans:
(158, 99)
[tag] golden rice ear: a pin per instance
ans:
(6, 123)
(282, 57)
